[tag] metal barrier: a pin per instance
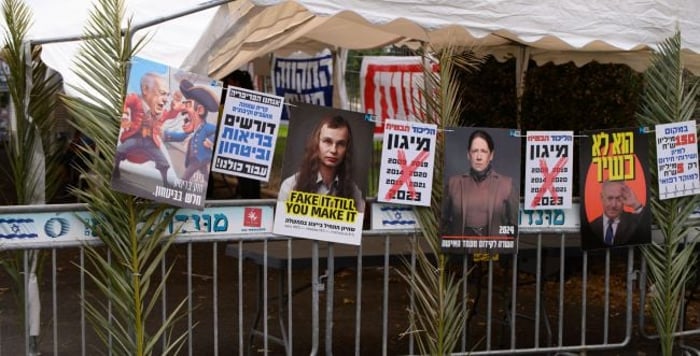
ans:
(319, 298)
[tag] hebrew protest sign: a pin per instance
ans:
(614, 181)
(391, 87)
(303, 80)
(677, 159)
(408, 159)
(248, 134)
(549, 170)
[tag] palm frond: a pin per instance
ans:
(668, 98)
(35, 152)
(438, 317)
(133, 231)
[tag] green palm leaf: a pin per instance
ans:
(132, 231)
(668, 98)
(438, 318)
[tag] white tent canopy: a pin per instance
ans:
(554, 30)
(221, 39)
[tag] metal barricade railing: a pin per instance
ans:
(538, 310)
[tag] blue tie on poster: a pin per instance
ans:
(307, 80)
(609, 234)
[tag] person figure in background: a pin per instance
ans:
(247, 188)
(479, 202)
(326, 167)
(141, 124)
(615, 226)
(200, 102)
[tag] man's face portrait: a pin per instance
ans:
(156, 96)
(190, 110)
(479, 154)
(332, 145)
(611, 197)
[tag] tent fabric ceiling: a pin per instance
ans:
(221, 39)
(556, 31)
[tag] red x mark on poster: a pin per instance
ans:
(548, 180)
(406, 172)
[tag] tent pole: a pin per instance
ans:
(135, 28)
(340, 94)
(522, 59)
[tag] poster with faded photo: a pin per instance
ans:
(167, 134)
(324, 175)
(481, 196)
(614, 190)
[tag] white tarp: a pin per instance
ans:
(217, 41)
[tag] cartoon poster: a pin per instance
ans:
(245, 144)
(614, 180)
(168, 131)
(677, 159)
(304, 80)
(549, 167)
(391, 87)
(325, 171)
(481, 197)
(408, 160)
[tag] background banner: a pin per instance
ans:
(391, 87)
(614, 190)
(304, 80)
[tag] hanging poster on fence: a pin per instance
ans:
(325, 170)
(304, 80)
(614, 180)
(481, 197)
(167, 135)
(245, 145)
(549, 170)
(677, 159)
(408, 160)
(391, 87)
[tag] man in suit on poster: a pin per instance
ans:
(616, 227)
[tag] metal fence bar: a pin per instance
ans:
(385, 296)
(215, 296)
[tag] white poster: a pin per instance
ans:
(247, 135)
(549, 170)
(408, 158)
(391, 87)
(677, 159)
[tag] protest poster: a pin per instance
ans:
(167, 134)
(391, 87)
(677, 159)
(549, 170)
(481, 197)
(408, 160)
(247, 136)
(325, 172)
(614, 189)
(304, 80)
